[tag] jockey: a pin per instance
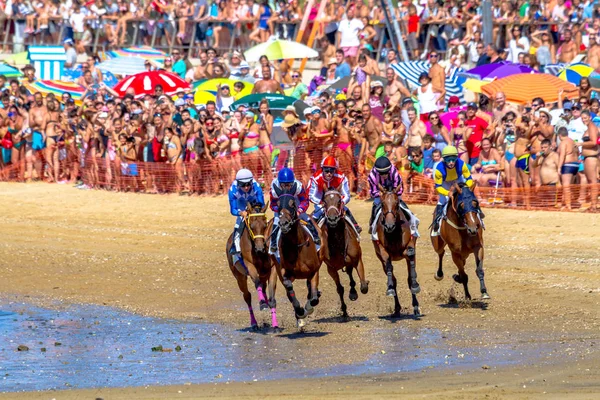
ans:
(287, 182)
(445, 173)
(385, 173)
(243, 190)
(329, 177)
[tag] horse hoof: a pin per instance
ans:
(364, 288)
(353, 296)
(301, 322)
(314, 302)
(417, 311)
(255, 328)
(301, 313)
(415, 289)
(485, 296)
(309, 310)
(318, 294)
(438, 277)
(264, 306)
(276, 329)
(456, 278)
(390, 293)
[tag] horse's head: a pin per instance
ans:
(256, 222)
(467, 207)
(390, 206)
(334, 206)
(288, 209)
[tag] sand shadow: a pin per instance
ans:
(396, 318)
(302, 335)
(342, 320)
(475, 304)
(263, 330)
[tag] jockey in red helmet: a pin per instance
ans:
(328, 177)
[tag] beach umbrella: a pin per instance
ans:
(474, 85)
(124, 66)
(497, 71)
(276, 102)
(573, 73)
(342, 83)
(145, 82)
(207, 90)
(10, 72)
(71, 75)
(412, 69)
(595, 79)
(279, 50)
(21, 58)
(522, 88)
(57, 87)
(144, 52)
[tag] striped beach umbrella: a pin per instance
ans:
(124, 66)
(57, 88)
(145, 83)
(573, 73)
(10, 72)
(412, 69)
(144, 52)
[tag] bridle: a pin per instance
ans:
(393, 211)
(338, 210)
(293, 213)
(462, 218)
(247, 222)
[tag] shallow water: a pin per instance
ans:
(93, 346)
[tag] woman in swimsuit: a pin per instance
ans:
(488, 164)
(459, 134)
(439, 132)
(265, 128)
(174, 151)
(233, 127)
(15, 121)
(249, 138)
(589, 151)
(262, 32)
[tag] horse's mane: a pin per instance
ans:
(388, 185)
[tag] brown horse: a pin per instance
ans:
(394, 242)
(255, 263)
(462, 231)
(298, 256)
(341, 247)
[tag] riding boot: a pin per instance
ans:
(237, 235)
(374, 210)
(274, 235)
(314, 232)
(437, 217)
(351, 216)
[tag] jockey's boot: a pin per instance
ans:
(372, 219)
(351, 216)
(437, 217)
(314, 232)
(235, 246)
(273, 247)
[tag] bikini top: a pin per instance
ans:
(489, 162)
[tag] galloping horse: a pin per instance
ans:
(395, 242)
(256, 263)
(462, 231)
(341, 247)
(298, 257)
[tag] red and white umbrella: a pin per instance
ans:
(145, 82)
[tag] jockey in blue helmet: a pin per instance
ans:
(287, 182)
(243, 190)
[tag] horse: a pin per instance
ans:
(341, 247)
(255, 263)
(395, 242)
(462, 231)
(299, 258)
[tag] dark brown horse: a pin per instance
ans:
(255, 263)
(462, 231)
(394, 242)
(298, 257)
(341, 247)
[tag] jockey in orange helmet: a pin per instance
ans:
(328, 177)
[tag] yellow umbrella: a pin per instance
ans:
(474, 85)
(203, 97)
(206, 89)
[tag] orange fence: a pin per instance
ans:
(212, 177)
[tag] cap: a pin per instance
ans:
(244, 65)
(249, 114)
(307, 111)
(188, 96)
(332, 60)
(406, 101)
(289, 120)
(179, 102)
(376, 84)
(453, 99)
(315, 110)
(576, 106)
(225, 85)
(567, 105)
(472, 105)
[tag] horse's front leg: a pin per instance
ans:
(413, 285)
(462, 276)
(364, 283)
(289, 288)
(272, 302)
(313, 293)
(479, 271)
(253, 273)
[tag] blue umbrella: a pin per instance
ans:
(71, 75)
(9, 72)
(124, 66)
(412, 69)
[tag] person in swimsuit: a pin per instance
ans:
(360, 78)
(262, 32)
(250, 136)
(265, 129)
(542, 129)
(440, 134)
(522, 154)
(174, 150)
(488, 164)
(459, 134)
(589, 151)
(568, 163)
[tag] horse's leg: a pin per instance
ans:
(462, 276)
(289, 288)
(242, 282)
(413, 285)
(439, 275)
(389, 271)
(397, 307)
(340, 289)
(479, 270)
(353, 295)
(253, 273)
(360, 269)
(272, 302)
(314, 290)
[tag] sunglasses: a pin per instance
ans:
(536, 105)
(246, 184)
(433, 56)
(329, 170)
(209, 124)
(225, 88)
(433, 118)
(450, 159)
(295, 76)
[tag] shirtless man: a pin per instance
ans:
(267, 84)
(593, 54)
(589, 152)
(540, 130)
(437, 75)
(547, 161)
(373, 130)
(394, 89)
(357, 96)
(568, 49)
(522, 155)
(38, 118)
(416, 132)
(54, 137)
(501, 107)
(568, 162)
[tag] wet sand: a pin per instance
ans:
(164, 256)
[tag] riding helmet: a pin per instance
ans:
(286, 175)
(449, 151)
(244, 176)
(383, 165)
(329, 162)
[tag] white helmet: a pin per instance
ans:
(244, 175)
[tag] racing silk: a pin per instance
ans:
(318, 186)
(299, 193)
(442, 174)
(238, 200)
(394, 177)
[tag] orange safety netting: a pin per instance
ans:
(215, 176)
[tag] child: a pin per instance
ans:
(428, 151)
(360, 78)
(436, 157)
(414, 30)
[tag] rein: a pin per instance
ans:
(338, 209)
(247, 221)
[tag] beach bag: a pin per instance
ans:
(7, 142)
